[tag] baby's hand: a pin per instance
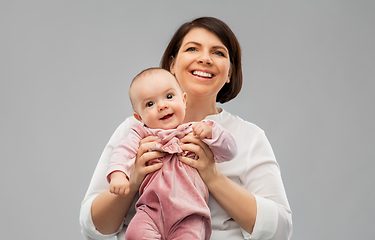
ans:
(202, 130)
(119, 184)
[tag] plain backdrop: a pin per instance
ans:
(65, 69)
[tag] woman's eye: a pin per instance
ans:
(219, 53)
(191, 49)
(149, 104)
(169, 96)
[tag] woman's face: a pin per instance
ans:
(202, 65)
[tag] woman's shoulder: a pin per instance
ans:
(128, 122)
(234, 122)
(124, 128)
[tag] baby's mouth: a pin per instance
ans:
(202, 74)
(167, 116)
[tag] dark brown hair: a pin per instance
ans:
(224, 33)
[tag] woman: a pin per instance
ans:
(248, 199)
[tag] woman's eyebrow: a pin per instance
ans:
(199, 44)
(192, 42)
(220, 47)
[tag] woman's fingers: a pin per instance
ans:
(148, 139)
(189, 161)
(196, 145)
(146, 157)
(140, 168)
(153, 167)
(205, 164)
(192, 147)
(145, 144)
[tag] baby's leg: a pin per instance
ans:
(142, 227)
(193, 227)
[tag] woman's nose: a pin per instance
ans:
(205, 58)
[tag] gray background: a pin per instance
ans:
(309, 83)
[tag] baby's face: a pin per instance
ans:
(159, 101)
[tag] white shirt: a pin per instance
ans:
(254, 168)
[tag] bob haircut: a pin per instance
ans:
(224, 33)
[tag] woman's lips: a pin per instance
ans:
(202, 74)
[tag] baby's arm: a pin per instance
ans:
(119, 184)
(121, 162)
(222, 143)
(202, 130)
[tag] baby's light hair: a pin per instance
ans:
(144, 73)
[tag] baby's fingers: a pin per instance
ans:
(196, 128)
(198, 131)
(112, 190)
(115, 190)
(123, 191)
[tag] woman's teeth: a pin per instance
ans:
(202, 74)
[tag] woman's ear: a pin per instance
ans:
(137, 116)
(171, 66)
(229, 74)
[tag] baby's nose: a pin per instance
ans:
(163, 106)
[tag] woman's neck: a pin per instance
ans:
(197, 110)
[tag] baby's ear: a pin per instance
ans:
(137, 116)
(184, 98)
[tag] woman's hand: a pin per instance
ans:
(108, 210)
(226, 192)
(140, 168)
(205, 164)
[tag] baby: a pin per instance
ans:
(172, 200)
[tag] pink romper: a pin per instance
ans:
(173, 200)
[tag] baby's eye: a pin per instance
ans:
(170, 96)
(149, 104)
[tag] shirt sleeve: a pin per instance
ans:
(273, 220)
(99, 184)
(222, 144)
(123, 155)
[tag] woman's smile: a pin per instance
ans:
(203, 74)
